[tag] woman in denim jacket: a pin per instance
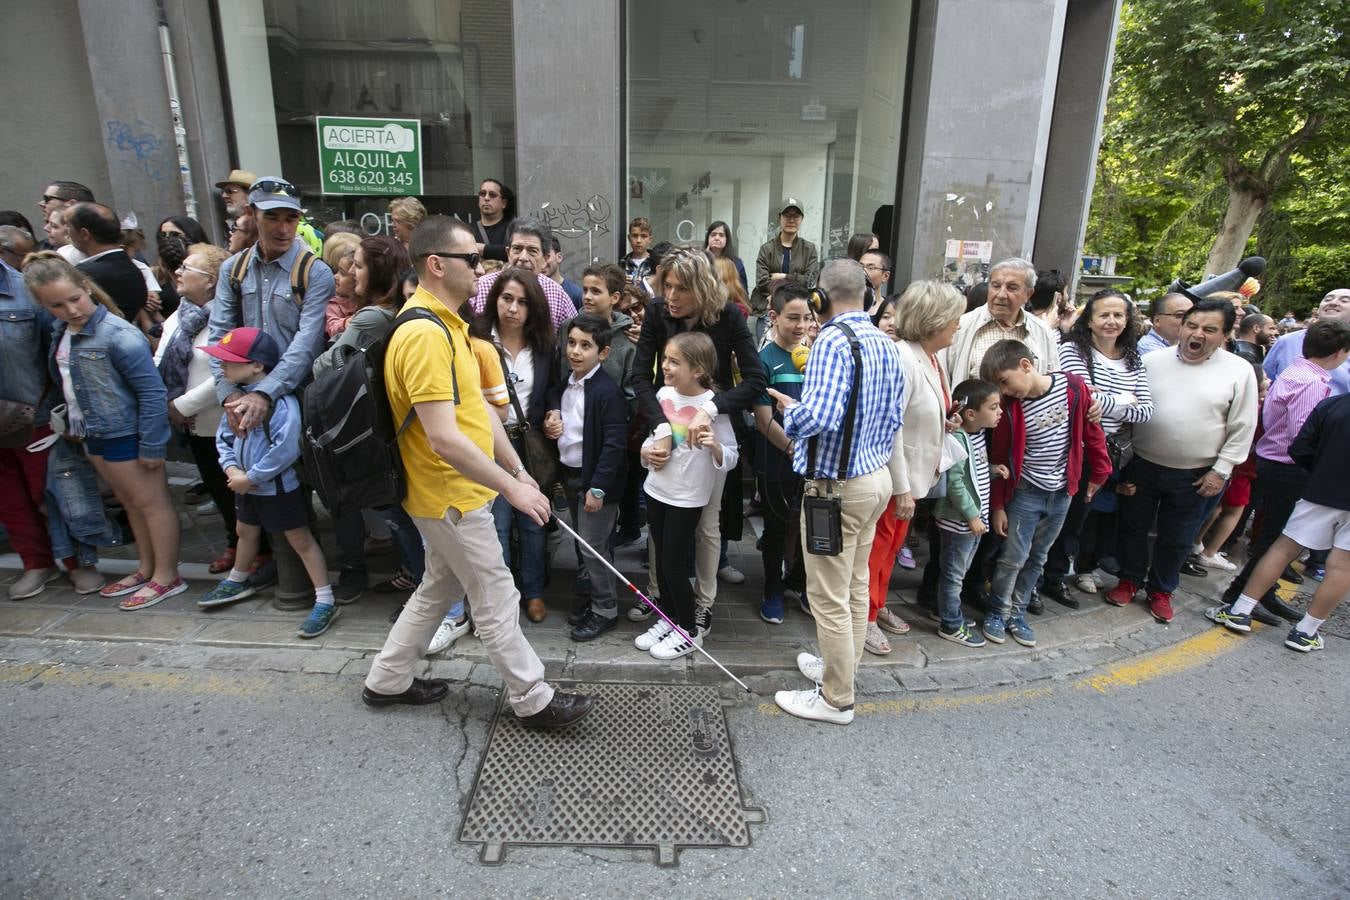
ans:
(115, 403)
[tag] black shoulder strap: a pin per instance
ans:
(409, 315)
(511, 391)
(850, 410)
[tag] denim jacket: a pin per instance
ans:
(25, 334)
(266, 302)
(76, 519)
(116, 383)
(265, 460)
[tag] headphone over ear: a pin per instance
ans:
(818, 299)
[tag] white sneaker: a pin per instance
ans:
(810, 705)
(674, 645)
(652, 636)
(813, 667)
(448, 632)
(1217, 561)
(1088, 584)
(731, 575)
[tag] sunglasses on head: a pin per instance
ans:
(273, 186)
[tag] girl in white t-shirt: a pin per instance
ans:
(679, 485)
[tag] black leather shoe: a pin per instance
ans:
(564, 709)
(1280, 608)
(579, 613)
(1191, 567)
(421, 692)
(1265, 616)
(592, 627)
(1059, 592)
(1291, 576)
(1035, 606)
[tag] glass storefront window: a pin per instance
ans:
(446, 63)
(734, 106)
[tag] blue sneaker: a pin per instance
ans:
(226, 592)
(771, 609)
(1316, 573)
(1303, 643)
(1021, 632)
(320, 618)
(964, 635)
(1224, 615)
(993, 629)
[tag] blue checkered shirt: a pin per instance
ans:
(829, 377)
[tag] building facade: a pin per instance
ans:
(959, 131)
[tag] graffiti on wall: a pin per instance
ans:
(574, 218)
(137, 145)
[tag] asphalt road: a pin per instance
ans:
(1217, 771)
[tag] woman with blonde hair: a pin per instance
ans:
(726, 271)
(692, 298)
(406, 213)
(927, 317)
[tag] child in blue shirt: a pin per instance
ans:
(259, 467)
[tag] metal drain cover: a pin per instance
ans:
(651, 766)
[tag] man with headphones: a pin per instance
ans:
(842, 430)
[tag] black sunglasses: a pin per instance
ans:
(272, 186)
(470, 259)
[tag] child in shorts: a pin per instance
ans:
(259, 467)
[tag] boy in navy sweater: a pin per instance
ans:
(588, 417)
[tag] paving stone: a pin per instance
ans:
(128, 656)
(485, 676)
(876, 680)
(955, 679)
(124, 626)
(358, 637)
(250, 633)
(20, 620)
(356, 667)
(453, 669)
(917, 681)
(325, 662)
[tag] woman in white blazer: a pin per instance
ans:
(927, 317)
(194, 409)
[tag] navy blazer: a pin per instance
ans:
(604, 433)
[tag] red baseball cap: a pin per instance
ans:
(246, 345)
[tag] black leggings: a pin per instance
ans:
(782, 503)
(673, 529)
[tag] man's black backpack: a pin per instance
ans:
(350, 441)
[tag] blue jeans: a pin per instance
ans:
(408, 538)
(1167, 496)
(1034, 519)
(958, 552)
(532, 539)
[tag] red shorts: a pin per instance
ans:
(1239, 492)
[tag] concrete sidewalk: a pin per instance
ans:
(252, 634)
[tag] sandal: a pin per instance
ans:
(157, 593)
(126, 585)
(889, 621)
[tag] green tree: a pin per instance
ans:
(1224, 98)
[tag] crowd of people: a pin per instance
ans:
(1037, 443)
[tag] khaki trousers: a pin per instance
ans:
(464, 556)
(838, 585)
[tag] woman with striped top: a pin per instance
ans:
(1102, 348)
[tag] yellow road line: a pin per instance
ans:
(1192, 652)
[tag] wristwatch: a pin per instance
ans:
(597, 493)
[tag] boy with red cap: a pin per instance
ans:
(259, 467)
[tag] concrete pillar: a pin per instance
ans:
(1076, 128)
(121, 41)
(568, 160)
(982, 97)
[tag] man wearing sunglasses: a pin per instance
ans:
(496, 209)
(448, 454)
(1168, 312)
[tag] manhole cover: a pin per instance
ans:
(651, 766)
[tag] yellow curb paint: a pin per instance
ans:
(1190, 653)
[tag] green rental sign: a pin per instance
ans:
(369, 156)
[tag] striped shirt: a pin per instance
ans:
(1123, 394)
(979, 462)
(1047, 418)
(829, 378)
(1301, 386)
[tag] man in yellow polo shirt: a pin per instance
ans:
(448, 457)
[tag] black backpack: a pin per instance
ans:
(350, 442)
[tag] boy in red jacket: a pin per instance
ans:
(1043, 439)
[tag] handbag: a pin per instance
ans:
(825, 515)
(1120, 447)
(16, 422)
(540, 454)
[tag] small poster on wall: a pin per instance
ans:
(966, 263)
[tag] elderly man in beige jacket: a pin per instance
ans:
(1002, 318)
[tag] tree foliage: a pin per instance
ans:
(1219, 110)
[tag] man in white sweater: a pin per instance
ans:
(1204, 419)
